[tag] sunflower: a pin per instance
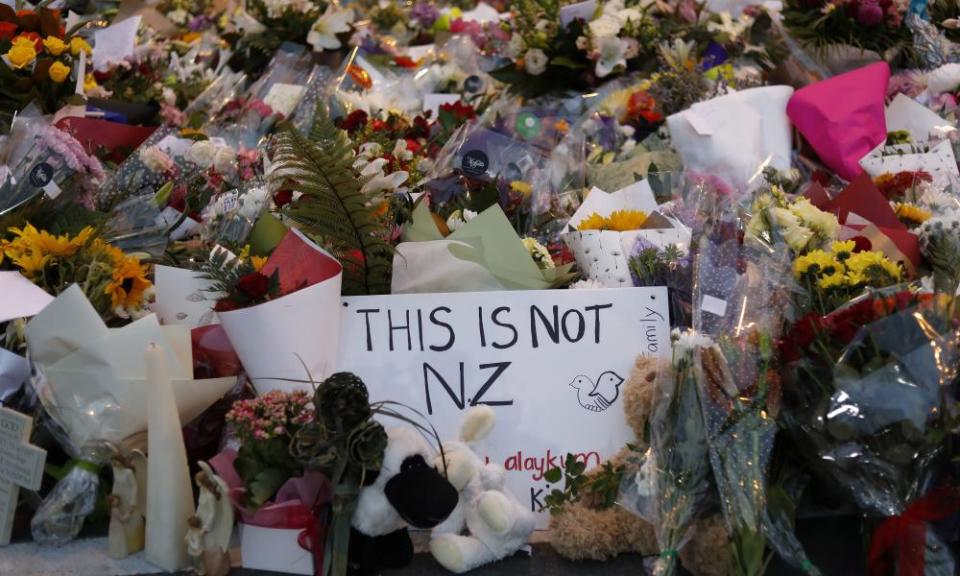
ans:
(30, 262)
(129, 284)
(872, 268)
(593, 222)
(815, 263)
(911, 214)
(626, 220)
(843, 249)
(832, 280)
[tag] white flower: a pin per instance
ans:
(244, 23)
(606, 26)
(535, 62)
(727, 25)
(155, 159)
(178, 16)
(824, 224)
(201, 153)
(587, 284)
(323, 34)
(371, 150)
(459, 218)
(943, 79)
(612, 56)
(224, 161)
(385, 183)
(516, 46)
(277, 8)
(583, 43)
(252, 203)
(400, 151)
(686, 341)
(169, 96)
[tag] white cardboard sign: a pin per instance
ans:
(534, 356)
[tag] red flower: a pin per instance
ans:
(643, 105)
(377, 125)
(254, 285)
(413, 146)
(356, 120)
(37, 40)
(283, 197)
(225, 305)
(7, 30)
(863, 244)
(404, 62)
(460, 110)
(420, 128)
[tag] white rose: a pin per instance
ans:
(224, 161)
(169, 96)
(201, 153)
(605, 26)
(535, 61)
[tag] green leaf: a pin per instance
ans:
(332, 207)
(265, 485)
(553, 475)
(567, 63)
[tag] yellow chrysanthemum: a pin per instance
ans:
(244, 252)
(816, 263)
(129, 284)
(59, 72)
(911, 214)
(258, 262)
(626, 220)
(521, 187)
(54, 46)
(843, 249)
(78, 44)
(22, 54)
(592, 222)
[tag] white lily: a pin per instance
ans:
(323, 34)
(246, 24)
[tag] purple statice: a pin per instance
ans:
(424, 14)
(199, 23)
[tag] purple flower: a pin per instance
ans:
(424, 14)
(198, 23)
(869, 13)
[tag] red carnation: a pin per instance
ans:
(254, 285)
(283, 197)
(460, 110)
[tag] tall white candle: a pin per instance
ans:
(169, 493)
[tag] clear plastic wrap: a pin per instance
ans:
(739, 304)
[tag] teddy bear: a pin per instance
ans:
(407, 492)
(584, 530)
(488, 523)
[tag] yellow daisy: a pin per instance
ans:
(834, 280)
(815, 263)
(911, 214)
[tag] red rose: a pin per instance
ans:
(283, 197)
(404, 62)
(254, 285)
(460, 110)
(356, 120)
(7, 29)
(225, 305)
(413, 146)
(863, 244)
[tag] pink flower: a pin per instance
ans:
(470, 28)
(687, 9)
(947, 102)
(172, 115)
(869, 13)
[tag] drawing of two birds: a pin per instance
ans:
(600, 396)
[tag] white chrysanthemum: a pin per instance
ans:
(201, 153)
(535, 61)
(689, 340)
(606, 26)
(155, 159)
(824, 224)
(587, 284)
(515, 47)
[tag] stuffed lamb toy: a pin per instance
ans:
(488, 523)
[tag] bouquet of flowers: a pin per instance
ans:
(875, 25)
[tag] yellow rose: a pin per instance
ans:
(54, 45)
(21, 55)
(59, 72)
(89, 83)
(78, 44)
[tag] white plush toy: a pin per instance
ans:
(488, 523)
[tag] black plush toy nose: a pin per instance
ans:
(420, 494)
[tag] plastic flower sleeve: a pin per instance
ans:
(881, 374)
(739, 298)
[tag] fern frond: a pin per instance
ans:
(944, 257)
(332, 207)
(222, 272)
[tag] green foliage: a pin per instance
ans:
(222, 272)
(332, 207)
(943, 254)
(822, 31)
(264, 467)
(601, 487)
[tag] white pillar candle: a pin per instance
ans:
(169, 493)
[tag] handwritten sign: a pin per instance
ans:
(551, 363)
(20, 465)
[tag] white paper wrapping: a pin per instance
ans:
(604, 256)
(274, 550)
(735, 135)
